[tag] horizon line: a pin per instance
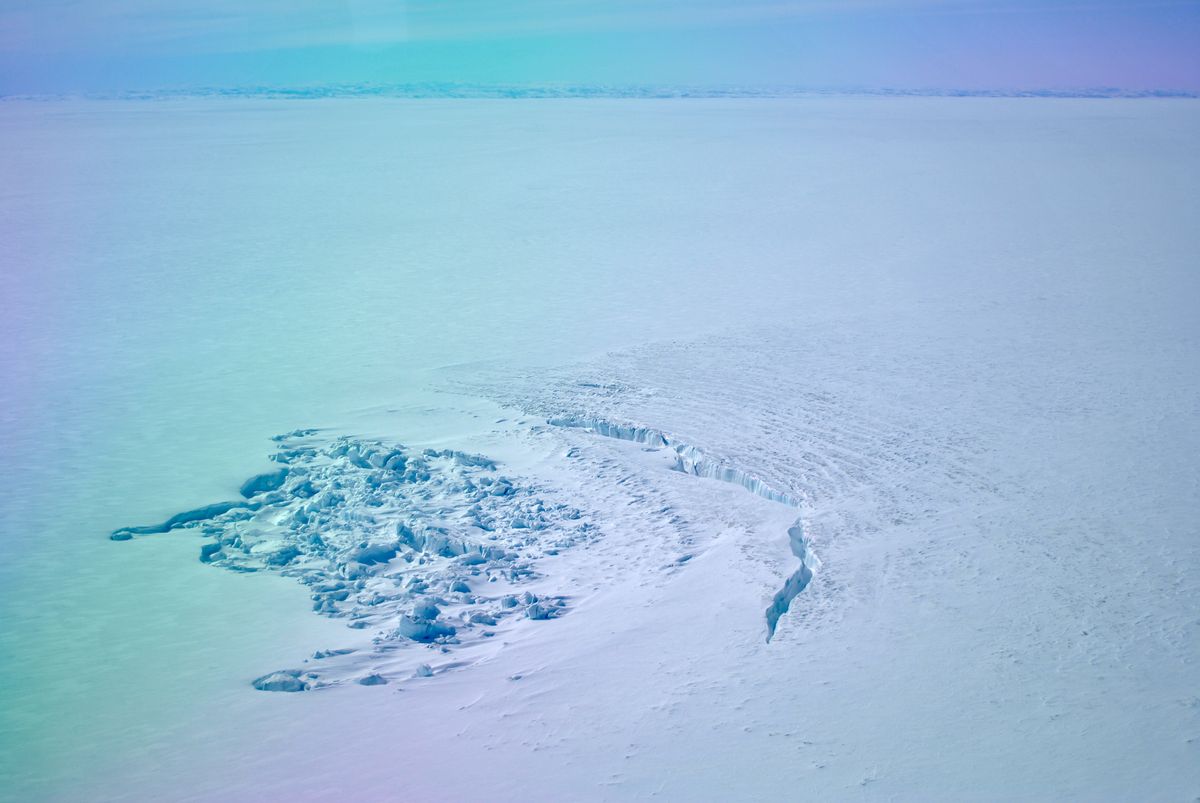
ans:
(552, 90)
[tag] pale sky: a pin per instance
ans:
(65, 45)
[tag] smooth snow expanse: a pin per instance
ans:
(942, 351)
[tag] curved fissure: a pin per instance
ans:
(691, 460)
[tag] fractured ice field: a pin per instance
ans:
(430, 548)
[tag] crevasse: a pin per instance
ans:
(691, 460)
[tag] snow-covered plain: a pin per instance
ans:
(710, 449)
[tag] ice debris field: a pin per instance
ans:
(429, 548)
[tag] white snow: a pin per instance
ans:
(696, 449)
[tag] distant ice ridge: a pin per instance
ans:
(549, 91)
(429, 548)
(691, 460)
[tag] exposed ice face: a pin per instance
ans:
(421, 547)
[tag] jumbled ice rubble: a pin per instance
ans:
(425, 548)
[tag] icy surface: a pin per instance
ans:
(953, 340)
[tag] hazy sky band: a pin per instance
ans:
(63, 45)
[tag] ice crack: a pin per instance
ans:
(690, 459)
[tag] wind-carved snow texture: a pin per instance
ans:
(429, 548)
(691, 460)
